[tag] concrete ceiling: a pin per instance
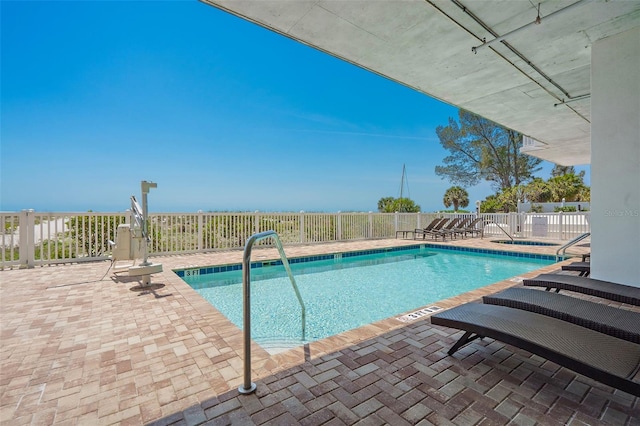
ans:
(427, 45)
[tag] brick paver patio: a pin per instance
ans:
(81, 345)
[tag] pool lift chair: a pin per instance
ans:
(132, 241)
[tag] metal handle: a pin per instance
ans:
(564, 248)
(248, 386)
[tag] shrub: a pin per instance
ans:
(565, 209)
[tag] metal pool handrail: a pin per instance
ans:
(569, 244)
(248, 386)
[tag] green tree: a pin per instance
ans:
(480, 149)
(537, 191)
(384, 204)
(510, 196)
(565, 183)
(569, 187)
(584, 194)
(491, 204)
(559, 170)
(456, 196)
(402, 205)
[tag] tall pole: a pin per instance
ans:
(402, 186)
(145, 227)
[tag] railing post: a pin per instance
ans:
(338, 226)
(513, 222)
(418, 222)
(370, 230)
(395, 222)
(256, 219)
(561, 220)
(27, 241)
(200, 230)
(302, 226)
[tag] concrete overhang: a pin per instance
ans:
(536, 81)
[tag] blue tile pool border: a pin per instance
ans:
(330, 256)
(525, 243)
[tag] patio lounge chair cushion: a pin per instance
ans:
(621, 323)
(604, 289)
(604, 358)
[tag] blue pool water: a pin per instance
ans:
(345, 292)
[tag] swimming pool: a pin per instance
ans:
(347, 290)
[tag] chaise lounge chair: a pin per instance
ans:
(620, 323)
(471, 228)
(429, 227)
(430, 230)
(583, 267)
(604, 289)
(447, 229)
(604, 358)
(453, 228)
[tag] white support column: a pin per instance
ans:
(615, 162)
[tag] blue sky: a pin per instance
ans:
(222, 114)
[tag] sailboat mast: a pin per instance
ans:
(402, 187)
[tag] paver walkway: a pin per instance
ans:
(81, 345)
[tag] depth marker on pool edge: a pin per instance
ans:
(419, 314)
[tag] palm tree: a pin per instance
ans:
(565, 187)
(457, 196)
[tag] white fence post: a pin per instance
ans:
(27, 238)
(256, 225)
(339, 226)
(302, 226)
(200, 230)
(370, 230)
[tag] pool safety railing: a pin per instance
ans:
(564, 248)
(29, 239)
(248, 386)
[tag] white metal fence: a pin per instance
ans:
(30, 238)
